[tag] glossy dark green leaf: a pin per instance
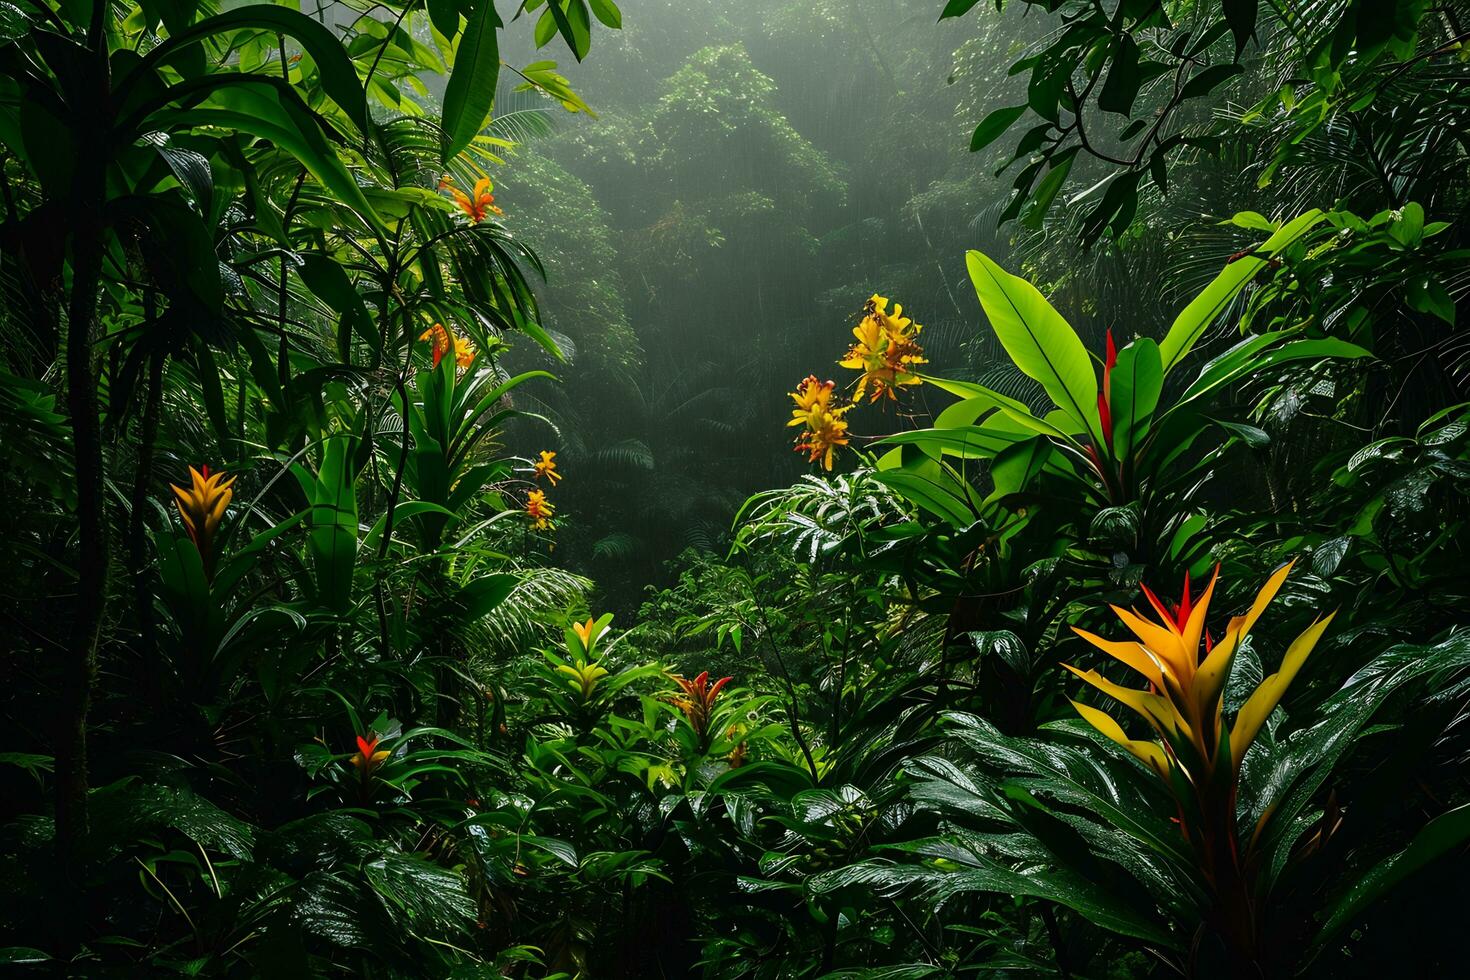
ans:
(470, 92)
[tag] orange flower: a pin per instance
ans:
(203, 505)
(464, 354)
(477, 204)
(547, 468)
(825, 428)
(540, 511)
(369, 756)
(697, 699)
(885, 351)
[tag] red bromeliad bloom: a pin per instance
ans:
(369, 756)
(1105, 397)
(1179, 614)
(698, 699)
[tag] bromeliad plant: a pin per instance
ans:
(1195, 753)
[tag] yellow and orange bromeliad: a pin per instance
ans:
(442, 343)
(825, 428)
(885, 350)
(368, 756)
(546, 468)
(697, 699)
(202, 507)
(1195, 753)
(1184, 702)
(540, 511)
(476, 205)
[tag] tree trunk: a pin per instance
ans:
(80, 669)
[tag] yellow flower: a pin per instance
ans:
(540, 511)
(825, 429)
(587, 632)
(885, 351)
(476, 205)
(203, 505)
(547, 468)
(1184, 704)
(439, 338)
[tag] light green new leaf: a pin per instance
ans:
(1137, 381)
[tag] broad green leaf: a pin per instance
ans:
(994, 125)
(1137, 381)
(1196, 318)
(338, 76)
(1445, 832)
(470, 92)
(1043, 344)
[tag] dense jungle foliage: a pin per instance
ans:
(411, 574)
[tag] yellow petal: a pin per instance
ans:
(1268, 695)
(1134, 654)
(1158, 710)
(1194, 627)
(1148, 753)
(1163, 642)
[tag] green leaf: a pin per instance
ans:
(1442, 834)
(607, 12)
(258, 109)
(1192, 322)
(1428, 295)
(326, 278)
(470, 92)
(1208, 80)
(338, 76)
(957, 8)
(1137, 382)
(1046, 191)
(1042, 344)
(1121, 88)
(993, 125)
(1241, 16)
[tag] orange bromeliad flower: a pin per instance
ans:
(886, 351)
(202, 506)
(1194, 752)
(546, 467)
(587, 632)
(475, 205)
(697, 699)
(369, 756)
(540, 511)
(825, 428)
(439, 338)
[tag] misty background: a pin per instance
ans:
(755, 171)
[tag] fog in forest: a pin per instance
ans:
(755, 171)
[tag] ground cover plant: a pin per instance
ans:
(756, 489)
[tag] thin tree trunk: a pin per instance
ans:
(80, 669)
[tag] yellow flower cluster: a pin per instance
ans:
(540, 511)
(824, 428)
(886, 351)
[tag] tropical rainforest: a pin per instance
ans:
(889, 489)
